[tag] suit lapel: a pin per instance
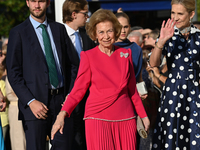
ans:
(73, 53)
(84, 39)
(34, 42)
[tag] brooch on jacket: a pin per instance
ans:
(124, 54)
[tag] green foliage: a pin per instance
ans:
(12, 12)
(198, 9)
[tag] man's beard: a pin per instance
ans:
(40, 15)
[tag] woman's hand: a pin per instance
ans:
(166, 32)
(146, 123)
(156, 71)
(148, 68)
(59, 124)
(2, 105)
(143, 97)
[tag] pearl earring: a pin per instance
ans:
(190, 20)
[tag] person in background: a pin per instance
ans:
(122, 41)
(196, 24)
(2, 145)
(135, 36)
(3, 105)
(107, 71)
(137, 28)
(158, 74)
(152, 77)
(151, 103)
(120, 10)
(158, 78)
(75, 14)
(146, 31)
(17, 136)
(2, 108)
(178, 121)
(4, 115)
(38, 70)
(150, 40)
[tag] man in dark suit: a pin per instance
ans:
(36, 57)
(75, 15)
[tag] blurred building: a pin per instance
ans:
(144, 13)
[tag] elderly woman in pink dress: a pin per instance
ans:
(107, 70)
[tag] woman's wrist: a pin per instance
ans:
(144, 117)
(159, 47)
(159, 76)
(160, 43)
(62, 114)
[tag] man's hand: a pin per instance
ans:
(38, 109)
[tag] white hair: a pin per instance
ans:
(136, 33)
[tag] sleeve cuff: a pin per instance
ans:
(30, 101)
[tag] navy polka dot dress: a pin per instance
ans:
(178, 121)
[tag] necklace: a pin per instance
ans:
(185, 30)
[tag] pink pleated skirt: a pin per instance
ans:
(106, 135)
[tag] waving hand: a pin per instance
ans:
(166, 31)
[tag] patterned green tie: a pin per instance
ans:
(49, 57)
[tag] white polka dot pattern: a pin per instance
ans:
(178, 126)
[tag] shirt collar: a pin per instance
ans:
(192, 31)
(36, 24)
(70, 31)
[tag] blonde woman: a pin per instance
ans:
(178, 123)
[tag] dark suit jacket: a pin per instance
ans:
(73, 55)
(78, 113)
(27, 67)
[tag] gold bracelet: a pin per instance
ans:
(157, 46)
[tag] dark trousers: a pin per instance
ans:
(79, 142)
(36, 131)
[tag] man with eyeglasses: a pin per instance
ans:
(75, 15)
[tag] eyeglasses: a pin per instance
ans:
(84, 13)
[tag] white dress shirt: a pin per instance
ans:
(71, 35)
